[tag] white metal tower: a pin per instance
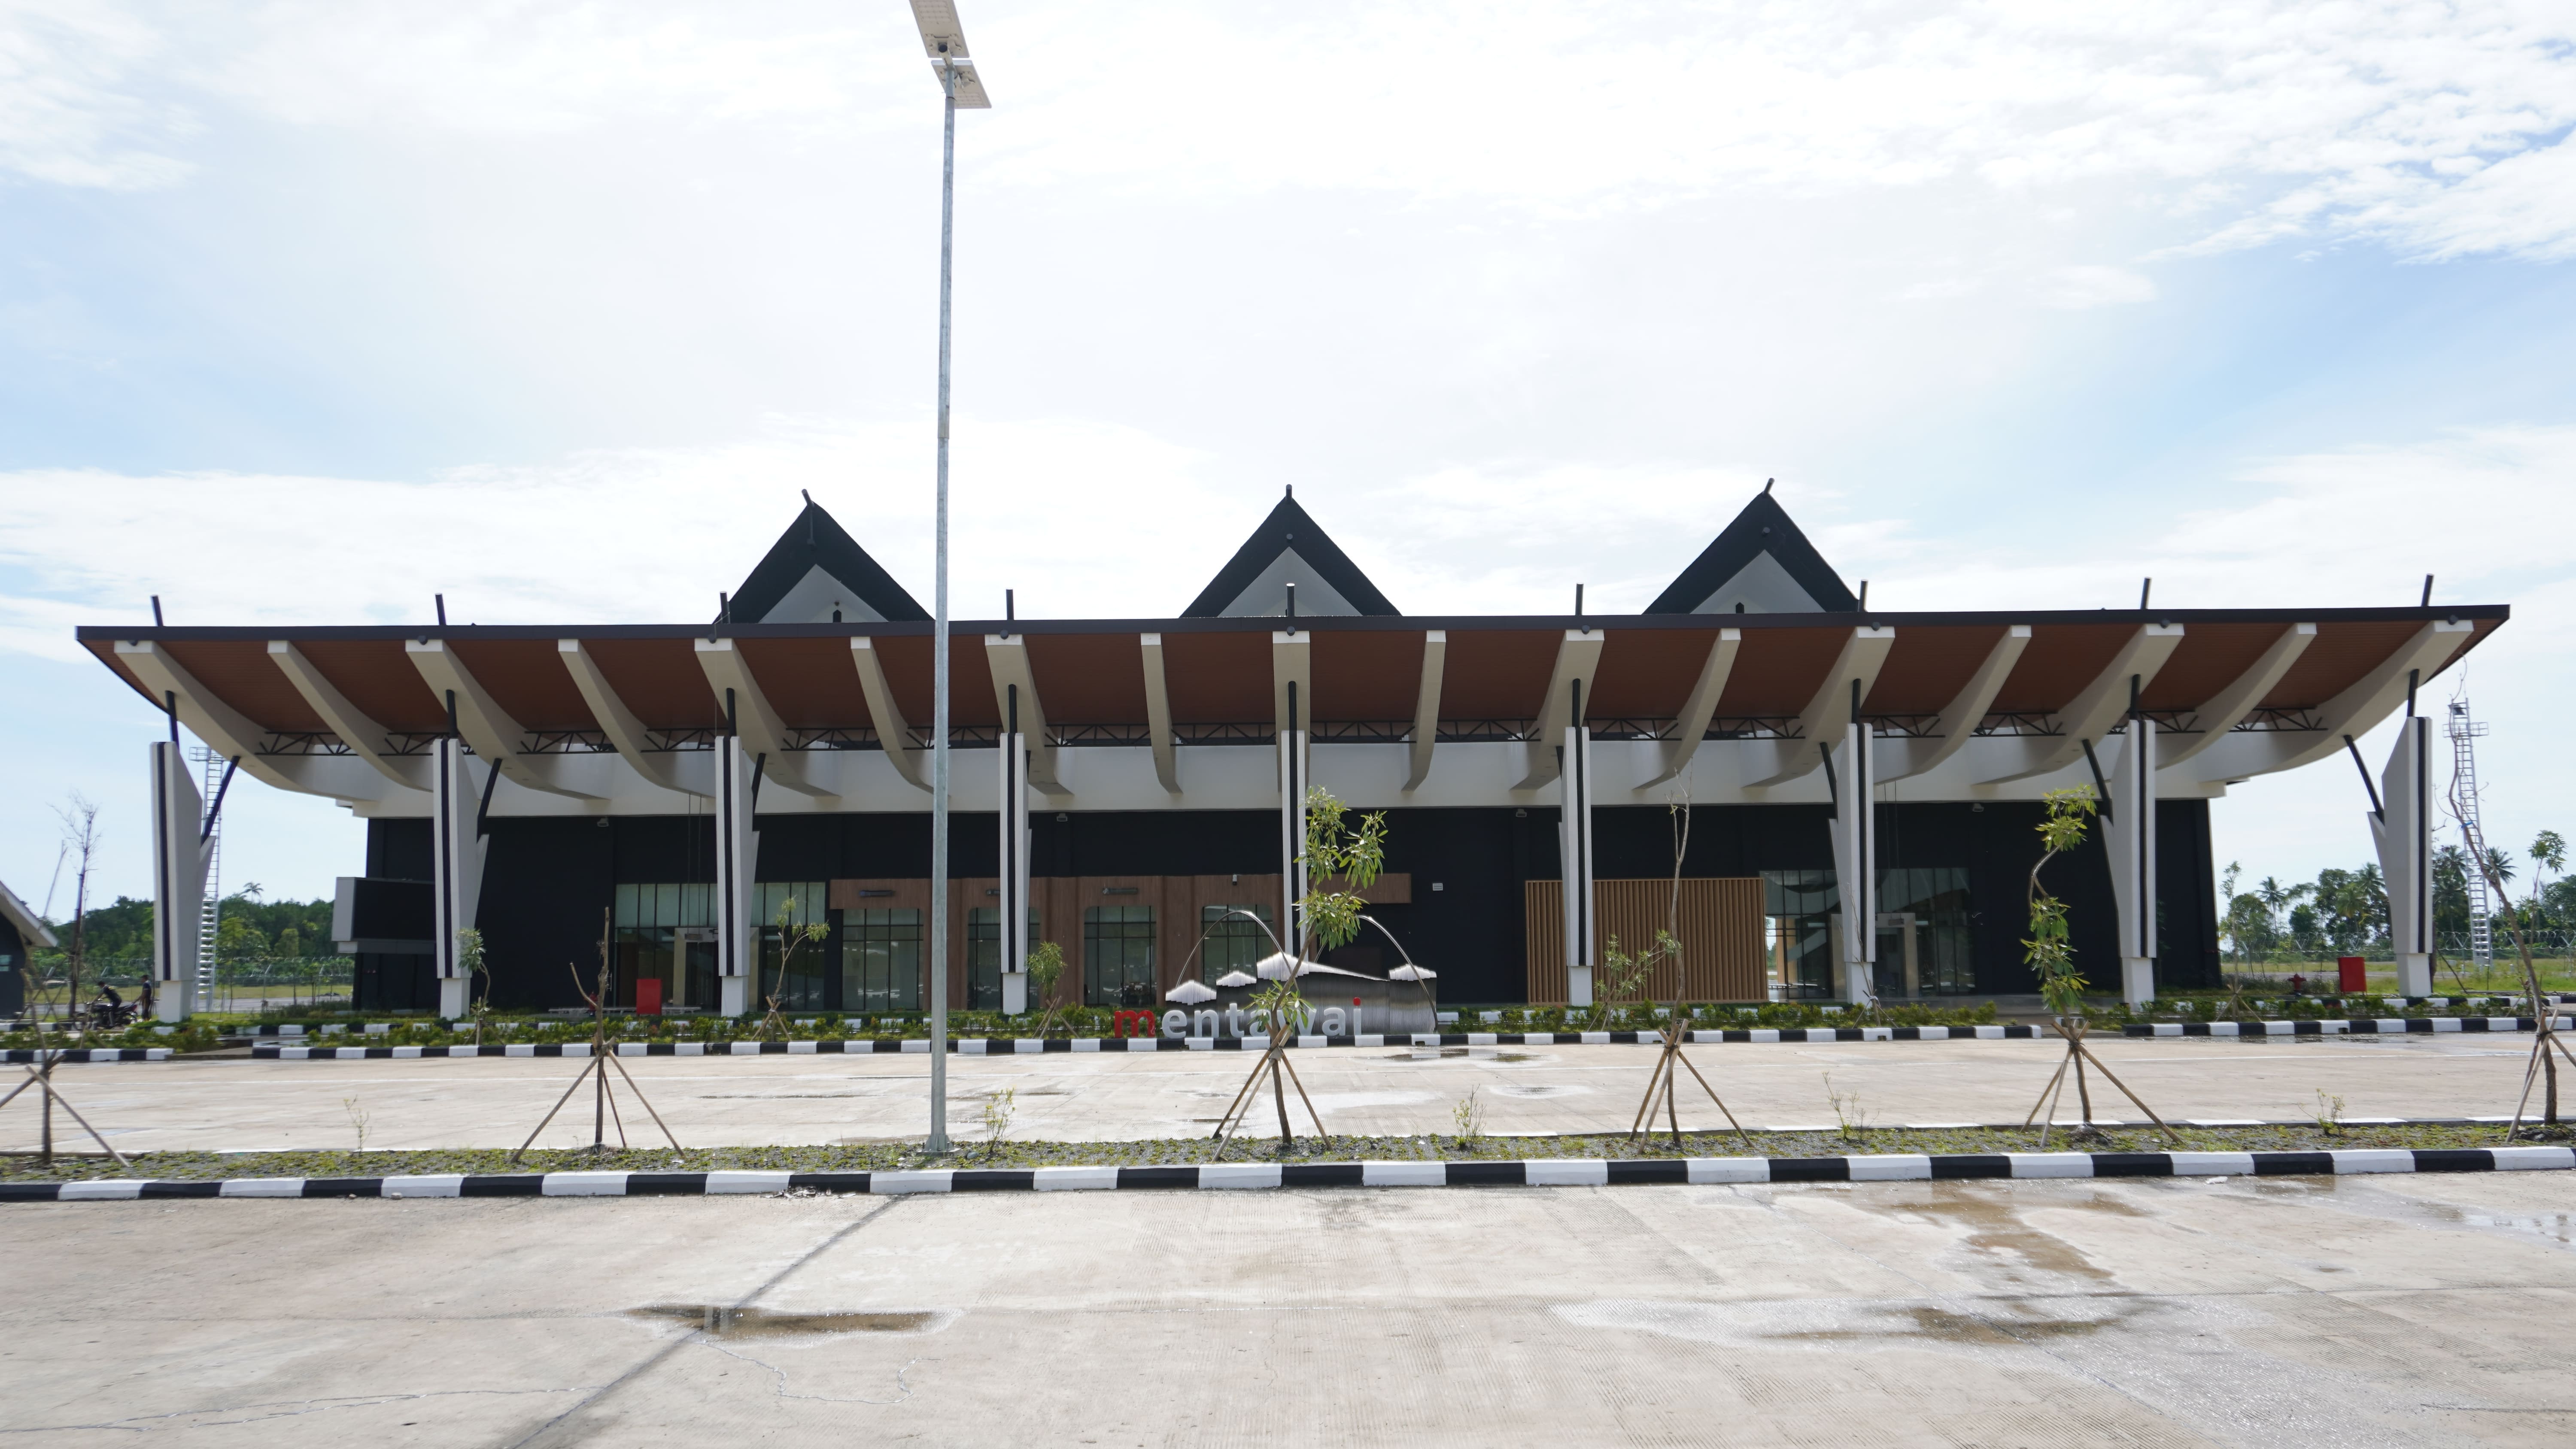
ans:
(210, 916)
(2464, 731)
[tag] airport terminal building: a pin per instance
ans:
(1861, 785)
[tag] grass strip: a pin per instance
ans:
(1164, 1152)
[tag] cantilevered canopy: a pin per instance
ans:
(2044, 683)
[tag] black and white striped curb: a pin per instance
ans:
(1251, 1175)
(2343, 1026)
(1029, 1046)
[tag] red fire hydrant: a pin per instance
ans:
(2298, 985)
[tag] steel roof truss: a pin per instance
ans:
(366, 739)
(756, 723)
(1701, 707)
(2096, 711)
(624, 728)
(1854, 673)
(1960, 717)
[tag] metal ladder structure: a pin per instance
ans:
(210, 915)
(2464, 731)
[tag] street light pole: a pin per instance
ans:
(958, 85)
(939, 651)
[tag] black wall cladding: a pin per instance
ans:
(547, 881)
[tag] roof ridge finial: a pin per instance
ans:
(1766, 486)
(1292, 490)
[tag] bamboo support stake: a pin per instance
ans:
(2170, 1134)
(550, 1115)
(647, 1101)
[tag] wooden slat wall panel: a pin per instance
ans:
(1544, 911)
(1721, 933)
(1059, 903)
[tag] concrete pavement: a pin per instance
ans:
(2272, 1312)
(226, 1105)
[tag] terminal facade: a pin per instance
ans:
(1859, 788)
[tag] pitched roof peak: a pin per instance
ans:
(1288, 547)
(1761, 563)
(817, 574)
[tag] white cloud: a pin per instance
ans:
(2076, 289)
(2416, 124)
(2487, 511)
(2387, 119)
(71, 108)
(653, 534)
(615, 535)
(503, 67)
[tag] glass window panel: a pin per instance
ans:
(1937, 898)
(1118, 956)
(1228, 942)
(802, 899)
(793, 966)
(881, 960)
(1801, 905)
(1799, 893)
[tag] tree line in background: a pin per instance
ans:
(2345, 912)
(249, 927)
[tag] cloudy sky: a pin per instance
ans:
(310, 310)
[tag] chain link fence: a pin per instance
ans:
(2553, 951)
(252, 984)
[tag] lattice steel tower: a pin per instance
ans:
(210, 766)
(2464, 732)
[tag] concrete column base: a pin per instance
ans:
(734, 997)
(453, 1002)
(2414, 973)
(1015, 992)
(170, 1001)
(2137, 979)
(1578, 986)
(1855, 982)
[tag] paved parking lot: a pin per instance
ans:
(2433, 1310)
(236, 1104)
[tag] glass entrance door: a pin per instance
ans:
(1896, 972)
(693, 960)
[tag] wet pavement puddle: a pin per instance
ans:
(718, 1320)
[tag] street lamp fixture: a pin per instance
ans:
(945, 42)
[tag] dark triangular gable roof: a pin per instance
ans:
(1763, 527)
(1288, 529)
(816, 540)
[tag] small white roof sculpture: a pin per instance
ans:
(1233, 979)
(1190, 993)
